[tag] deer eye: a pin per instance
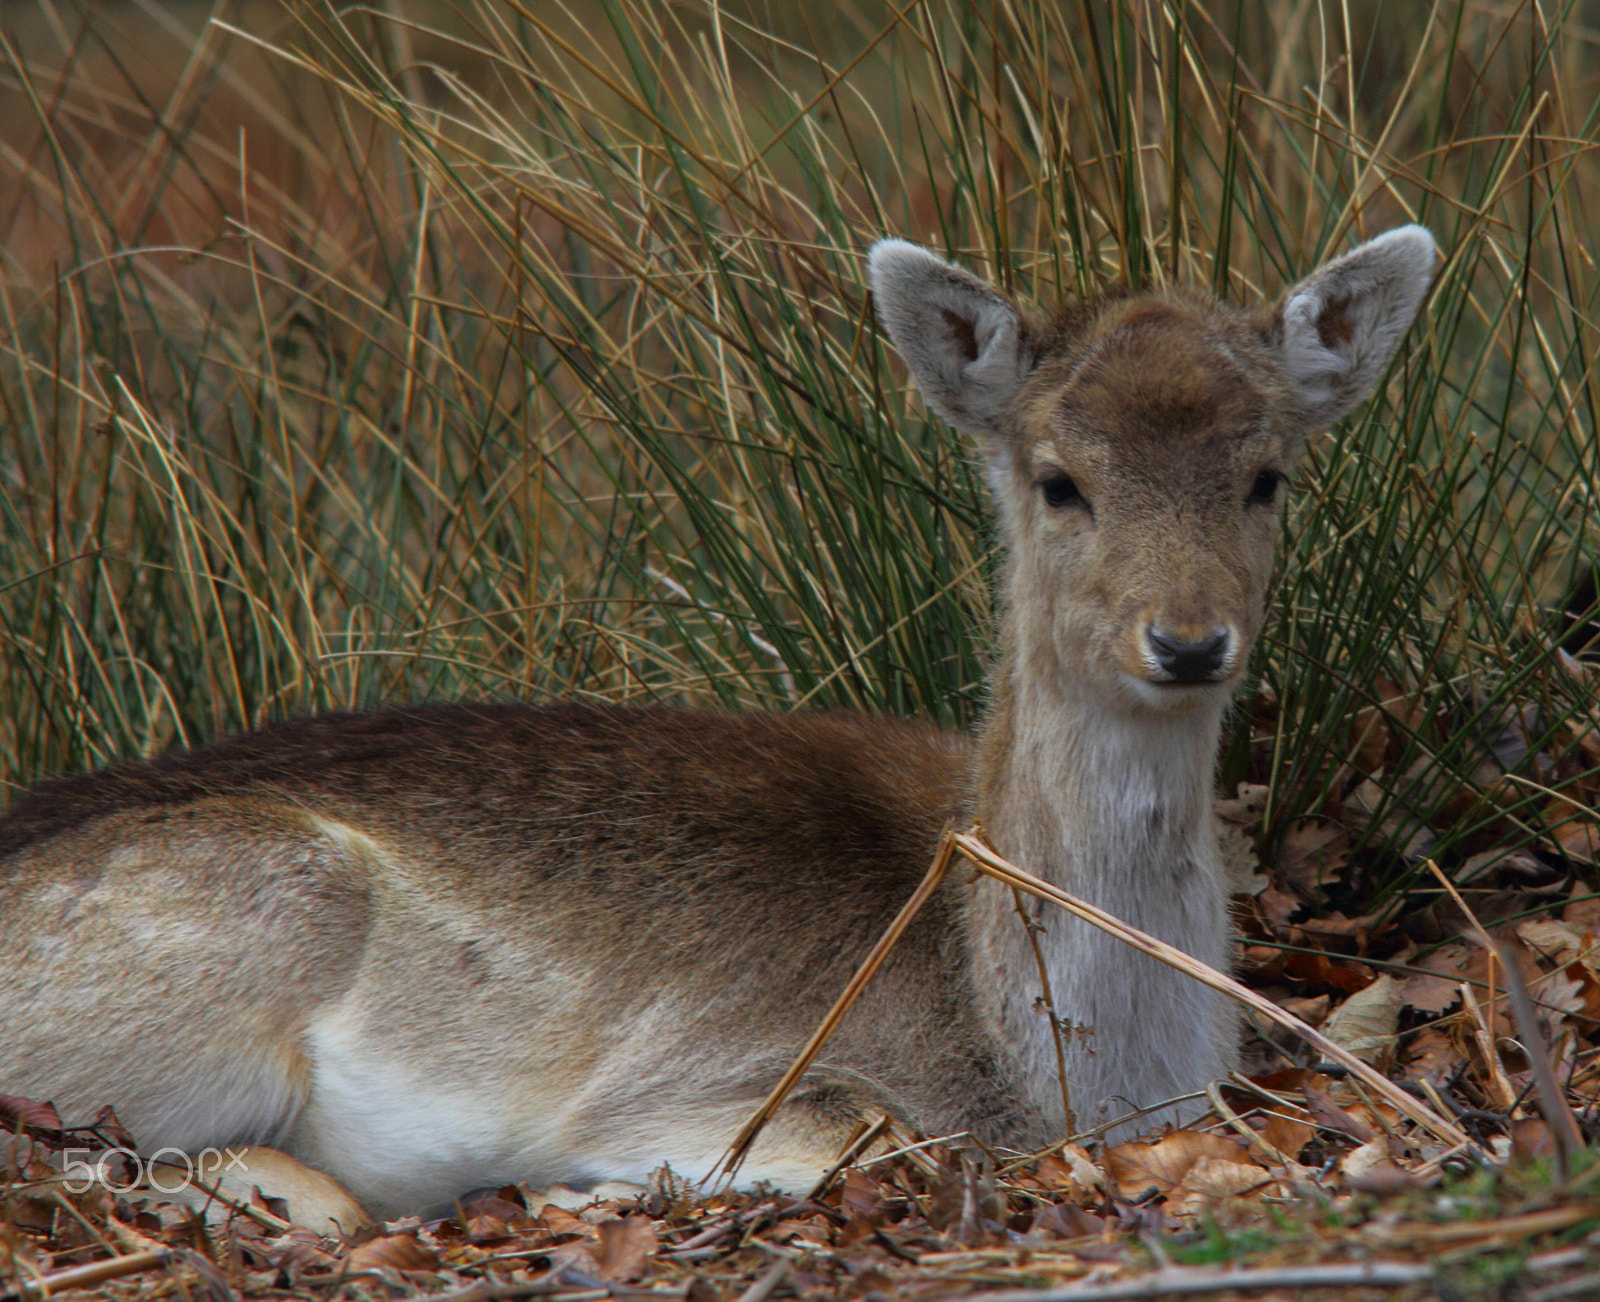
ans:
(1265, 490)
(1059, 490)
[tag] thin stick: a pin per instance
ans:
(763, 1288)
(987, 861)
(1032, 927)
(1499, 1082)
(740, 1148)
(82, 1276)
(238, 1206)
(1552, 1102)
(1177, 1281)
(1254, 1138)
(862, 1140)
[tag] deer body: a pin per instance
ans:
(455, 946)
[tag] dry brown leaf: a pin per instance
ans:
(1286, 1132)
(1553, 940)
(1358, 1161)
(1071, 1169)
(1556, 998)
(1365, 1024)
(1581, 914)
(559, 1221)
(393, 1252)
(861, 1198)
(1532, 1140)
(1136, 1167)
(1217, 1177)
(626, 1246)
(1343, 975)
(1331, 1116)
(1313, 1012)
(1241, 870)
(1435, 993)
(1311, 857)
(1579, 838)
(1431, 1055)
(1276, 908)
(966, 1205)
(1064, 1221)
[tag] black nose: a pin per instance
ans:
(1189, 662)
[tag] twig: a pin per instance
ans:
(991, 863)
(1499, 1082)
(1483, 1034)
(763, 1288)
(740, 1148)
(1189, 1280)
(859, 1143)
(915, 1148)
(1254, 1138)
(1031, 926)
(96, 1272)
(485, 1291)
(1579, 1286)
(238, 1206)
(1553, 1103)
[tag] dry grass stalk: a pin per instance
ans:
(98, 1272)
(869, 967)
(987, 861)
(1552, 1101)
(1483, 1024)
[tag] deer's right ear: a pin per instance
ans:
(1338, 328)
(962, 339)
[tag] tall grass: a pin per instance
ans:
(517, 349)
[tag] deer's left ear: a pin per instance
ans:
(1338, 328)
(961, 339)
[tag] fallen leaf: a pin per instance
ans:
(1365, 1024)
(559, 1221)
(1245, 808)
(1582, 914)
(1072, 1169)
(1286, 1132)
(1448, 967)
(1431, 1055)
(17, 1112)
(1240, 868)
(393, 1252)
(1311, 1011)
(1331, 1116)
(1137, 1167)
(1346, 976)
(1554, 940)
(1276, 909)
(1532, 1140)
(1311, 857)
(1064, 1221)
(966, 1204)
(861, 1198)
(626, 1246)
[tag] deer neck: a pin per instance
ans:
(1115, 808)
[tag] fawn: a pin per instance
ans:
(431, 949)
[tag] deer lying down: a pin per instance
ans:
(433, 949)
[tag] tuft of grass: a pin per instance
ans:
(518, 348)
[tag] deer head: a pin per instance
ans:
(1138, 450)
